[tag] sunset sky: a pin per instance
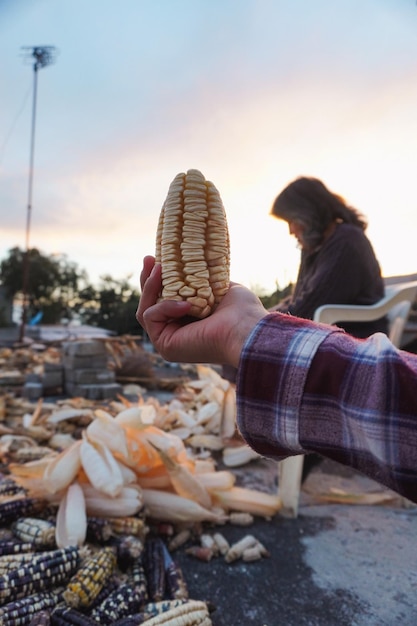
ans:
(251, 92)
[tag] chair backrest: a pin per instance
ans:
(396, 304)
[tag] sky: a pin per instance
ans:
(253, 93)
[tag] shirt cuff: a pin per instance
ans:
(273, 367)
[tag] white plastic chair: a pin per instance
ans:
(396, 305)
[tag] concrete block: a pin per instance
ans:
(11, 379)
(95, 392)
(89, 376)
(53, 379)
(33, 378)
(32, 391)
(84, 348)
(52, 367)
(85, 362)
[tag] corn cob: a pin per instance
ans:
(41, 618)
(112, 584)
(8, 487)
(18, 506)
(138, 577)
(129, 526)
(39, 531)
(87, 582)
(155, 568)
(15, 546)
(99, 530)
(175, 582)
(21, 612)
(152, 609)
(67, 616)
(176, 587)
(131, 620)
(189, 613)
(9, 562)
(128, 548)
(192, 244)
(43, 572)
(122, 602)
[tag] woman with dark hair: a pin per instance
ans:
(338, 264)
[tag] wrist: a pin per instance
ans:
(239, 335)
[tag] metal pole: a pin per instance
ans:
(26, 260)
(43, 55)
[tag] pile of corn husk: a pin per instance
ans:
(119, 459)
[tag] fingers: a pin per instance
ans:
(151, 283)
(148, 264)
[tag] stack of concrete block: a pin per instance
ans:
(86, 371)
(53, 378)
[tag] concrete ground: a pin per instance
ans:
(334, 565)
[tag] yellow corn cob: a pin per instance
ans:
(45, 571)
(192, 244)
(129, 526)
(190, 613)
(86, 584)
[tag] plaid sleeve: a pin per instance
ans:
(304, 387)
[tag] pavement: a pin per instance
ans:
(334, 565)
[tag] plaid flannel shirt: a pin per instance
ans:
(304, 387)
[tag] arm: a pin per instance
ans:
(323, 391)
(302, 387)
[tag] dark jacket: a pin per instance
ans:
(343, 270)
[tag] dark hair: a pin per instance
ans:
(307, 200)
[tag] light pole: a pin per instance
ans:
(43, 56)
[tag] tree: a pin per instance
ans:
(113, 306)
(53, 282)
(277, 296)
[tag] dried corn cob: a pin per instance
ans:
(152, 609)
(192, 243)
(128, 548)
(131, 620)
(9, 562)
(99, 529)
(41, 532)
(18, 506)
(105, 591)
(15, 546)
(43, 572)
(138, 577)
(66, 616)
(8, 487)
(21, 612)
(87, 582)
(129, 526)
(41, 618)
(122, 602)
(155, 568)
(176, 587)
(188, 613)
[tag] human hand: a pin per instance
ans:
(218, 338)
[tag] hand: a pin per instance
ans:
(218, 338)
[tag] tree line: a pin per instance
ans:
(58, 290)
